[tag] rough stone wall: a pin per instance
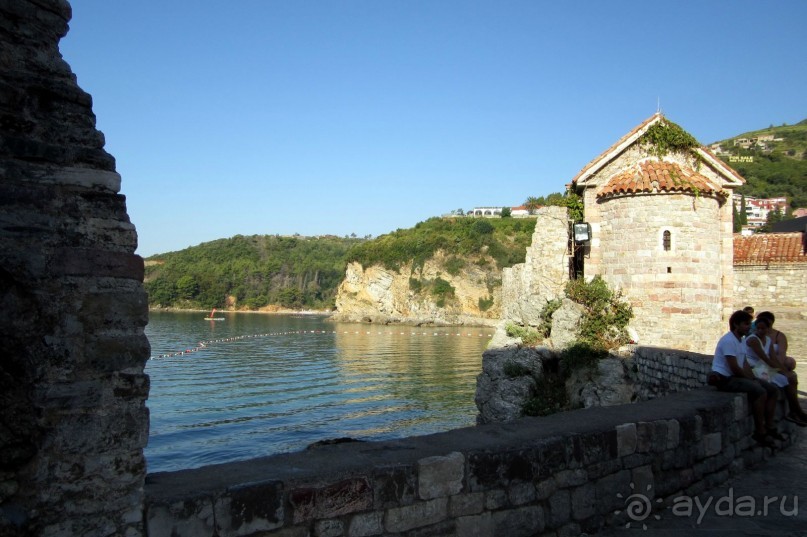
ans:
(527, 287)
(660, 371)
(72, 307)
(676, 295)
(566, 474)
(771, 286)
(630, 374)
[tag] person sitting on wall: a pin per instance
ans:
(787, 366)
(729, 375)
(750, 310)
(766, 366)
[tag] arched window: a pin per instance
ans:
(666, 240)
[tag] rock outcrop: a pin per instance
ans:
(380, 295)
(528, 286)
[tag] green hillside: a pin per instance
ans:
(778, 169)
(305, 272)
(261, 270)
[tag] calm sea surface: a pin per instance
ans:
(266, 384)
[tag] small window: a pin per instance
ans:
(666, 240)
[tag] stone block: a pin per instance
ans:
(673, 434)
(521, 493)
(626, 439)
(597, 470)
(712, 444)
(250, 508)
(559, 509)
(345, 497)
(466, 504)
(394, 486)
(440, 476)
(476, 526)
(583, 501)
(495, 499)
(185, 518)
(366, 524)
(643, 481)
(400, 519)
(608, 489)
(521, 522)
(544, 489)
(329, 528)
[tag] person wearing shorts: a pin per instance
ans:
(733, 375)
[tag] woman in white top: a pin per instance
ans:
(764, 362)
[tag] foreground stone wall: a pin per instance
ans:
(560, 475)
(73, 421)
(781, 285)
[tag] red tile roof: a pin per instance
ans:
(631, 137)
(763, 248)
(658, 176)
(642, 126)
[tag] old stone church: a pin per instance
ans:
(661, 231)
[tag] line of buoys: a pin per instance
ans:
(204, 344)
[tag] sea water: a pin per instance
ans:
(255, 385)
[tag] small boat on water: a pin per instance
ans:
(212, 316)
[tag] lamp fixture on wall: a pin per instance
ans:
(582, 232)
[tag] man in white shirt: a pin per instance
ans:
(734, 376)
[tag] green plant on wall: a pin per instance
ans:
(664, 137)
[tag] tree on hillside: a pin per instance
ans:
(531, 204)
(743, 214)
(506, 212)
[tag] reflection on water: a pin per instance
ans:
(280, 392)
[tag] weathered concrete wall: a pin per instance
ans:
(73, 420)
(771, 286)
(560, 475)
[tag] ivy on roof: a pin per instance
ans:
(664, 137)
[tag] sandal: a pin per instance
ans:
(763, 440)
(796, 419)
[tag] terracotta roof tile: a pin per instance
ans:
(763, 248)
(604, 154)
(658, 176)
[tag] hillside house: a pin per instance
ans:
(661, 228)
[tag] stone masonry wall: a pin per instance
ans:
(667, 289)
(527, 287)
(73, 421)
(558, 475)
(771, 286)
(661, 371)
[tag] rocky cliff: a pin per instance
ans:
(421, 295)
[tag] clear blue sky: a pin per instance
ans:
(338, 117)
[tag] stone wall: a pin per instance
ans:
(781, 285)
(663, 371)
(559, 475)
(73, 421)
(528, 286)
(667, 289)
